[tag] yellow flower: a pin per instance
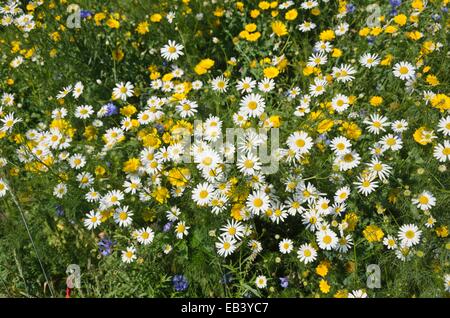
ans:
(98, 17)
(322, 270)
(373, 233)
(236, 211)
(99, 171)
(324, 126)
(161, 194)
(203, 66)
(178, 177)
(351, 130)
(341, 293)
(155, 17)
(118, 55)
(417, 4)
(419, 136)
(324, 286)
(441, 101)
(128, 110)
(390, 29)
(432, 80)
(327, 35)
(387, 60)
(264, 5)
(131, 165)
(279, 28)
(442, 231)
(376, 101)
(400, 19)
(142, 28)
(414, 35)
(254, 13)
(113, 23)
(364, 32)
(291, 15)
(336, 53)
(271, 72)
(55, 36)
(251, 27)
(90, 133)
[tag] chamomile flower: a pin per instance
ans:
(172, 51)
(145, 235)
(92, 220)
(404, 70)
(369, 60)
(77, 90)
(342, 194)
(129, 255)
(444, 126)
(123, 217)
(203, 193)
(344, 243)
(306, 253)
(261, 281)
(300, 142)
(258, 202)
(226, 245)
(391, 142)
(409, 235)
(344, 73)
(442, 151)
(173, 214)
(181, 230)
(306, 26)
(326, 239)
(286, 246)
(3, 188)
(246, 85)
(340, 103)
(340, 145)
(376, 123)
(60, 190)
(77, 161)
(84, 111)
(123, 91)
(399, 126)
(366, 184)
(390, 242)
(266, 85)
(249, 164)
(317, 59)
(424, 201)
(220, 84)
(357, 294)
(234, 229)
(252, 105)
(318, 87)
(381, 170)
(348, 161)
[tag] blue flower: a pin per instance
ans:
(111, 109)
(84, 14)
(227, 278)
(180, 283)
(351, 8)
(59, 210)
(159, 128)
(395, 3)
(284, 282)
(105, 246)
(167, 227)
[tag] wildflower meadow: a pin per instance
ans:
(221, 148)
